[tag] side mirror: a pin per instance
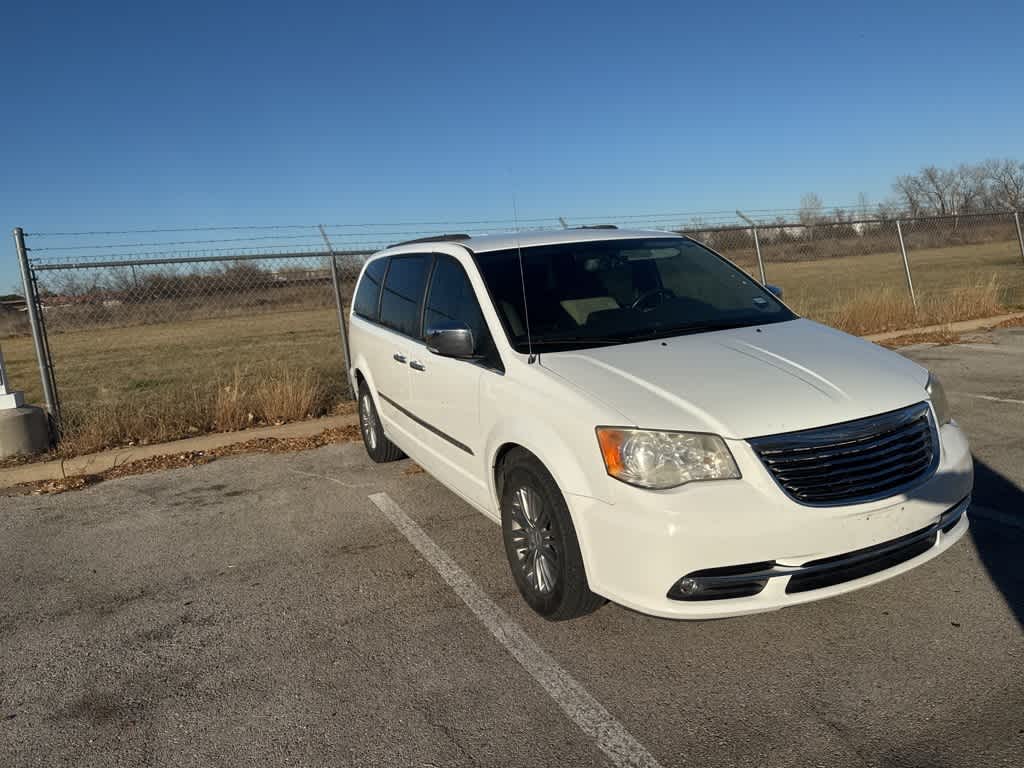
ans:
(774, 290)
(450, 339)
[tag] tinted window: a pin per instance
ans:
(596, 293)
(451, 299)
(402, 299)
(368, 293)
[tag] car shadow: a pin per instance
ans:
(1000, 541)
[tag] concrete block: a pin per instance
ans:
(23, 430)
(9, 400)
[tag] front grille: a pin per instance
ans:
(854, 461)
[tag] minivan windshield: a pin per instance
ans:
(598, 293)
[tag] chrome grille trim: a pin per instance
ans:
(856, 461)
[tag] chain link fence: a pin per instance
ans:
(157, 334)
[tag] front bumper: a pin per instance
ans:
(637, 548)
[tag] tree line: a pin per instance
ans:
(986, 187)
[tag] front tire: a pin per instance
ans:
(378, 447)
(540, 541)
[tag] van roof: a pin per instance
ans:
(528, 238)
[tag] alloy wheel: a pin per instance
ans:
(369, 419)
(533, 540)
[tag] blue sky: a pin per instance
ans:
(122, 115)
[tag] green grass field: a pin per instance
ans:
(157, 381)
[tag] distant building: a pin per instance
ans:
(12, 304)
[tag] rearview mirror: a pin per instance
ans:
(450, 339)
(774, 290)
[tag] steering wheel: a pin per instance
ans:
(646, 296)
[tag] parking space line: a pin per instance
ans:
(588, 713)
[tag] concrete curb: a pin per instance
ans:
(94, 463)
(961, 326)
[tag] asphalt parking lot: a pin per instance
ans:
(265, 610)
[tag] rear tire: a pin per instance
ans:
(378, 447)
(540, 541)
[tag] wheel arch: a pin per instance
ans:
(500, 456)
(558, 457)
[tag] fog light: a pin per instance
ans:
(723, 583)
(688, 586)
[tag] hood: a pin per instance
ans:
(745, 382)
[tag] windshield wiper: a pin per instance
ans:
(687, 328)
(580, 340)
(642, 335)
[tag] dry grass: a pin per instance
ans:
(12, 323)
(1013, 322)
(289, 396)
(231, 410)
(943, 336)
(873, 312)
(890, 310)
(245, 399)
(967, 303)
(823, 289)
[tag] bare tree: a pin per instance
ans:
(942, 191)
(863, 206)
(889, 210)
(811, 209)
(939, 188)
(911, 194)
(1005, 180)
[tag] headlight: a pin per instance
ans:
(938, 398)
(659, 460)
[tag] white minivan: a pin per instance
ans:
(651, 426)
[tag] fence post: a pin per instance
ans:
(341, 311)
(757, 244)
(38, 334)
(760, 261)
(1020, 237)
(906, 264)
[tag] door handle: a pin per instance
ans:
(416, 365)
(399, 357)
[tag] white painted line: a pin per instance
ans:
(990, 398)
(583, 709)
(995, 516)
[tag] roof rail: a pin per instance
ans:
(597, 226)
(431, 239)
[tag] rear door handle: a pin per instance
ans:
(399, 357)
(416, 365)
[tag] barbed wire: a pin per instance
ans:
(510, 222)
(223, 254)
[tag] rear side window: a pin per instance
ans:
(402, 298)
(368, 293)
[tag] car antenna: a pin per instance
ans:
(530, 357)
